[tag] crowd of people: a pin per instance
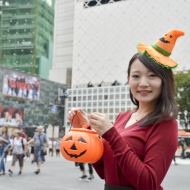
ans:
(20, 148)
(20, 86)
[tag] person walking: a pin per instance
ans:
(19, 151)
(140, 145)
(50, 146)
(57, 147)
(84, 176)
(4, 142)
(183, 147)
(40, 147)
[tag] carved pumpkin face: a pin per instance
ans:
(168, 40)
(81, 145)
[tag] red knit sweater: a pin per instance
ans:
(137, 156)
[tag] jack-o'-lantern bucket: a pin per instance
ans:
(82, 145)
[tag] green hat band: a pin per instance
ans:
(159, 49)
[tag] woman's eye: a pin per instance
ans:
(135, 76)
(152, 75)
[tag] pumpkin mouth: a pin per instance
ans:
(162, 39)
(75, 155)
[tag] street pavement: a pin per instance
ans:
(59, 174)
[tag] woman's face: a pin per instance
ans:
(145, 85)
(6, 114)
(4, 129)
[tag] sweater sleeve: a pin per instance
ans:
(99, 167)
(158, 153)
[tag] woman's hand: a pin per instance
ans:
(78, 118)
(100, 122)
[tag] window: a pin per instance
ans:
(106, 90)
(111, 90)
(122, 103)
(111, 117)
(105, 97)
(117, 96)
(122, 96)
(95, 3)
(84, 91)
(111, 103)
(74, 98)
(128, 103)
(111, 96)
(122, 109)
(116, 110)
(123, 89)
(84, 98)
(94, 104)
(105, 110)
(106, 103)
(89, 97)
(79, 98)
(89, 91)
(100, 110)
(94, 97)
(116, 103)
(111, 110)
(100, 97)
(95, 91)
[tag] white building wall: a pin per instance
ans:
(108, 100)
(105, 36)
(63, 40)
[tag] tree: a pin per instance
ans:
(182, 80)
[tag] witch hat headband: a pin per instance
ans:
(162, 49)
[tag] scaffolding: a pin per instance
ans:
(26, 28)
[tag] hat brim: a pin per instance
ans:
(156, 56)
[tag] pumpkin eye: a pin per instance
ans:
(165, 34)
(82, 140)
(69, 139)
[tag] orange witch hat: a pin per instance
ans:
(162, 49)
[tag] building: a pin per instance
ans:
(95, 40)
(36, 110)
(26, 42)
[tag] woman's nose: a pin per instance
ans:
(143, 82)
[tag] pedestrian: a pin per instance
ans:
(31, 151)
(140, 145)
(183, 147)
(84, 176)
(57, 147)
(174, 160)
(19, 151)
(50, 146)
(4, 142)
(40, 147)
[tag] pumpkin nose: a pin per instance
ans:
(73, 147)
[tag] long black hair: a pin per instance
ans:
(166, 105)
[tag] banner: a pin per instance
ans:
(11, 116)
(20, 85)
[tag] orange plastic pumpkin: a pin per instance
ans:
(82, 145)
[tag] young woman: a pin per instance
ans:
(139, 147)
(19, 151)
(4, 141)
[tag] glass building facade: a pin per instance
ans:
(26, 35)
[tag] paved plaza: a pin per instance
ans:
(59, 174)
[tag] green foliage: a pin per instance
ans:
(183, 91)
(182, 80)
